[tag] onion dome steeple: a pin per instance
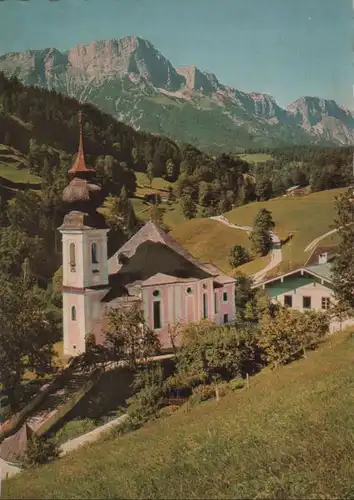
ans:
(82, 195)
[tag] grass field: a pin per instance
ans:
(256, 158)
(209, 240)
(157, 184)
(289, 436)
(254, 266)
(13, 166)
(305, 217)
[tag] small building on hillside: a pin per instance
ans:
(296, 191)
(308, 287)
(151, 268)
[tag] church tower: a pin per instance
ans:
(85, 259)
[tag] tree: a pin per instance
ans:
(260, 236)
(128, 338)
(156, 215)
(150, 172)
(264, 220)
(263, 188)
(243, 294)
(170, 169)
(343, 268)
(285, 335)
(208, 351)
(39, 451)
(189, 207)
(27, 334)
(205, 195)
(119, 214)
(238, 256)
(149, 392)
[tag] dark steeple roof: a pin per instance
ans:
(82, 195)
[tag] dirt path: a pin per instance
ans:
(276, 253)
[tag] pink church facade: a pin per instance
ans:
(150, 268)
(167, 304)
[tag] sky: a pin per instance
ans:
(286, 48)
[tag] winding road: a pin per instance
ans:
(276, 255)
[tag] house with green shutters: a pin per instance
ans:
(308, 287)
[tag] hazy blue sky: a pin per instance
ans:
(287, 48)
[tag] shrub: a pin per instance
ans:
(209, 351)
(147, 401)
(39, 451)
(285, 335)
(236, 383)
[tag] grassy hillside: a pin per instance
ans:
(305, 217)
(289, 436)
(14, 166)
(209, 240)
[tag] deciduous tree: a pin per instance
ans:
(343, 268)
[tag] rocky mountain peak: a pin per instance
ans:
(195, 79)
(121, 75)
(309, 111)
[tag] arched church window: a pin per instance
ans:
(73, 313)
(72, 257)
(94, 255)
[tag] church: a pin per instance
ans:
(151, 268)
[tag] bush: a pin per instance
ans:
(237, 383)
(145, 404)
(285, 335)
(39, 451)
(209, 351)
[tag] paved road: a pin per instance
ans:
(276, 253)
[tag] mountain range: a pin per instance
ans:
(130, 79)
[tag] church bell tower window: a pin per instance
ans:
(94, 258)
(72, 257)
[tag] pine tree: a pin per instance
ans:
(260, 236)
(238, 256)
(189, 208)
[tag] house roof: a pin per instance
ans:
(163, 279)
(127, 275)
(321, 271)
(151, 232)
(292, 188)
(14, 446)
(313, 259)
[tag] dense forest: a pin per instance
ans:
(318, 167)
